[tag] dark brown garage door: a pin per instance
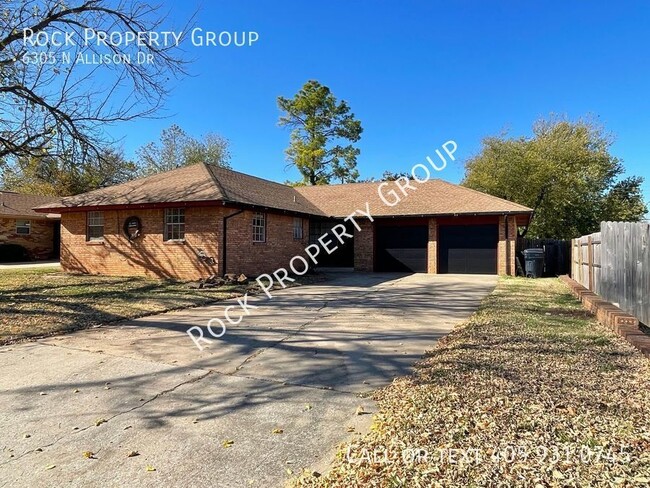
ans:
(402, 248)
(468, 249)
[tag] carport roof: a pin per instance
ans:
(202, 183)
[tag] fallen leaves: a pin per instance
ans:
(528, 374)
(73, 302)
(131, 454)
(277, 431)
(88, 454)
(227, 443)
(150, 468)
(99, 422)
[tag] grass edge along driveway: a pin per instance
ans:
(41, 302)
(530, 391)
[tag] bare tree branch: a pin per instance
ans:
(57, 98)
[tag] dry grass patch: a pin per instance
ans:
(531, 391)
(41, 302)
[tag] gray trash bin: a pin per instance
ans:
(534, 259)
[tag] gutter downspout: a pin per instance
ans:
(224, 239)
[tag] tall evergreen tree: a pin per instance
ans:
(320, 127)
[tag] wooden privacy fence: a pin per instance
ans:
(557, 254)
(615, 264)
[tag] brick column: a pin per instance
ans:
(512, 243)
(506, 247)
(432, 247)
(502, 264)
(364, 246)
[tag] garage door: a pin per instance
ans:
(402, 248)
(470, 249)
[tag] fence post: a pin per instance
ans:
(590, 262)
(580, 279)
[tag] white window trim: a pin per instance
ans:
(181, 225)
(259, 216)
(296, 227)
(89, 225)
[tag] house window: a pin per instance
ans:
(95, 231)
(297, 228)
(259, 227)
(23, 227)
(174, 224)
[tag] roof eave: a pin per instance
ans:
(448, 214)
(128, 206)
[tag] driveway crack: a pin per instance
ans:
(298, 329)
(132, 409)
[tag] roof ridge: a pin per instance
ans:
(222, 168)
(131, 182)
(220, 188)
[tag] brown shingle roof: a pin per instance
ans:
(188, 184)
(195, 183)
(250, 190)
(20, 205)
(434, 197)
(204, 182)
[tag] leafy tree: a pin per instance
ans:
(392, 176)
(176, 148)
(57, 177)
(565, 173)
(388, 176)
(320, 126)
(55, 107)
(624, 201)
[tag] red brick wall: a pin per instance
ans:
(150, 255)
(38, 243)
(512, 244)
(506, 249)
(432, 247)
(147, 255)
(254, 258)
(364, 246)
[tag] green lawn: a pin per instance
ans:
(530, 391)
(45, 301)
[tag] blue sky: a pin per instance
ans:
(416, 73)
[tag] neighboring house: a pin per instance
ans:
(204, 219)
(37, 233)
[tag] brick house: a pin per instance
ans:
(37, 233)
(203, 219)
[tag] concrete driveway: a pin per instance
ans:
(302, 362)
